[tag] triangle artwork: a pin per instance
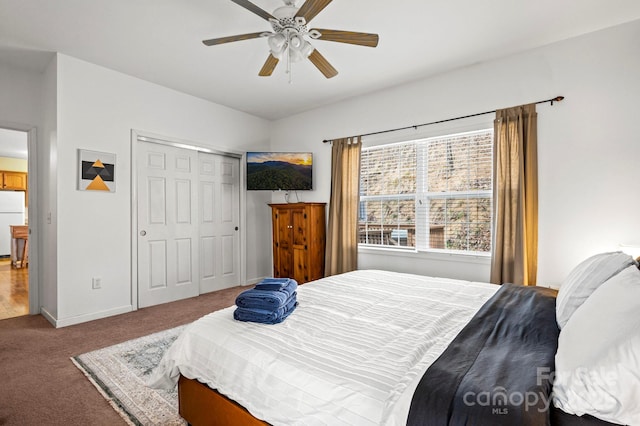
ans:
(97, 171)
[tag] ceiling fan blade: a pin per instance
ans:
(253, 8)
(269, 66)
(322, 64)
(311, 8)
(221, 40)
(351, 37)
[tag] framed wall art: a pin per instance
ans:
(96, 171)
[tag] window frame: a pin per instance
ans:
(421, 197)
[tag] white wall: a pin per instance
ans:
(47, 195)
(588, 144)
(20, 100)
(97, 109)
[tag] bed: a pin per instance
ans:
(376, 348)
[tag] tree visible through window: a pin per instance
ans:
(431, 193)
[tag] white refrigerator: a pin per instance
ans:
(11, 213)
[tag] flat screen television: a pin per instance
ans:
(279, 171)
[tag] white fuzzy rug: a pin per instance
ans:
(119, 372)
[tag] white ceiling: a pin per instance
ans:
(160, 41)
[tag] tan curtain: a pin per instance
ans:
(342, 235)
(515, 196)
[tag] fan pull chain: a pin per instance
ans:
(288, 47)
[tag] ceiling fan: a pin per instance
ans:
(290, 30)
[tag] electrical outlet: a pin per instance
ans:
(96, 283)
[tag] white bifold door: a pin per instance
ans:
(219, 207)
(188, 215)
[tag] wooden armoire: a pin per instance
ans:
(298, 241)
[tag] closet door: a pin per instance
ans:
(168, 246)
(219, 201)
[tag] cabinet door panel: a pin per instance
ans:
(14, 180)
(283, 265)
(299, 222)
(282, 256)
(300, 269)
(283, 229)
(300, 258)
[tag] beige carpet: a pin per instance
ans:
(40, 384)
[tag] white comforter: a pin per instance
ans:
(352, 353)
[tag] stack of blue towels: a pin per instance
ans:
(271, 301)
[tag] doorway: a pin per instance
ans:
(187, 221)
(14, 235)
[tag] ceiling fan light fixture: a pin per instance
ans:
(306, 49)
(295, 55)
(289, 37)
(277, 43)
(296, 42)
(293, 42)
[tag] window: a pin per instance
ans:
(430, 193)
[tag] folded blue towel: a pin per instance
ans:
(266, 316)
(266, 299)
(273, 283)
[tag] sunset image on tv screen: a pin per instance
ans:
(274, 171)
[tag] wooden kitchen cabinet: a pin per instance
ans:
(14, 180)
(298, 241)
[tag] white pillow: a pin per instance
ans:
(598, 358)
(585, 278)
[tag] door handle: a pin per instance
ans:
(143, 233)
(236, 228)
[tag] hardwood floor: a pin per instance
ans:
(14, 290)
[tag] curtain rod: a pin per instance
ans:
(415, 126)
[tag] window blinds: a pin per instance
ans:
(431, 193)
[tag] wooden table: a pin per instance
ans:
(19, 232)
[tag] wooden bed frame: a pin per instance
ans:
(202, 406)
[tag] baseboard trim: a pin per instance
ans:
(65, 322)
(48, 316)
